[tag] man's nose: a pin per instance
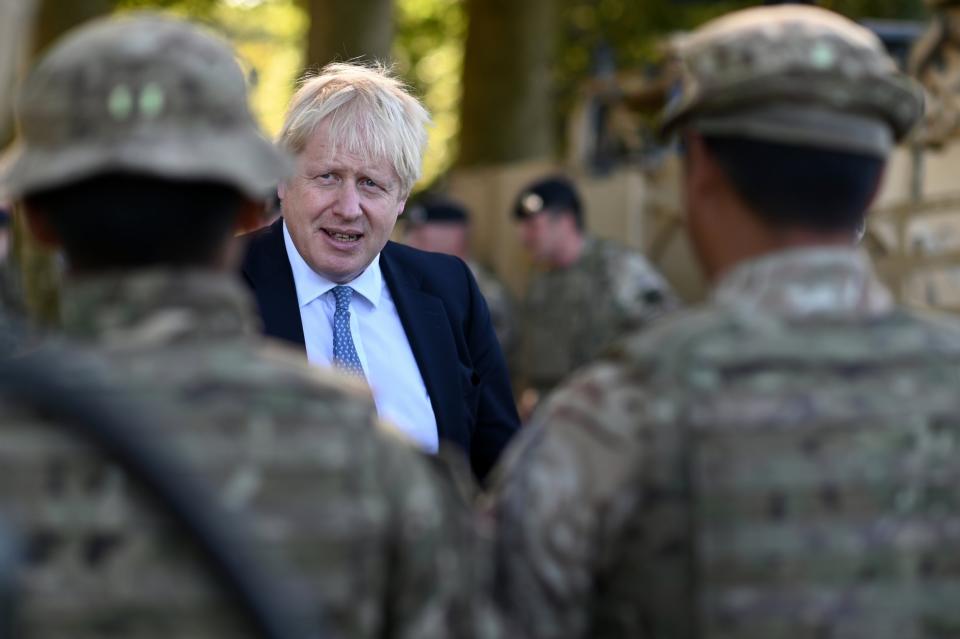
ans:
(348, 201)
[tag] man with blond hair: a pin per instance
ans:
(412, 324)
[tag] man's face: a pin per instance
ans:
(340, 209)
(540, 234)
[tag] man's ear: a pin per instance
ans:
(282, 189)
(40, 226)
(401, 206)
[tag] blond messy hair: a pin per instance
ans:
(369, 113)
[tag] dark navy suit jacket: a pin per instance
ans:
(446, 321)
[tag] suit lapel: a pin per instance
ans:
(267, 268)
(425, 321)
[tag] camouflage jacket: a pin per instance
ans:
(382, 543)
(782, 463)
(571, 314)
(500, 302)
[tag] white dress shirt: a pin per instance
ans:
(382, 345)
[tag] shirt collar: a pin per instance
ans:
(310, 285)
(821, 281)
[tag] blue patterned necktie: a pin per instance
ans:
(344, 352)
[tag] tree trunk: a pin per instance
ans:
(507, 111)
(344, 30)
(38, 270)
(57, 17)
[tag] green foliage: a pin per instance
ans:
(194, 8)
(883, 9)
(269, 37)
(428, 49)
(631, 28)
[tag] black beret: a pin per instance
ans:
(556, 193)
(436, 210)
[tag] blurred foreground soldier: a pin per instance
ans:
(781, 462)
(592, 291)
(440, 225)
(140, 158)
(935, 62)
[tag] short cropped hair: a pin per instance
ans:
(792, 186)
(370, 113)
(125, 220)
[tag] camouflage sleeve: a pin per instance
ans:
(639, 291)
(439, 578)
(555, 499)
(502, 314)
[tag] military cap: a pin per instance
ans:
(434, 209)
(142, 94)
(794, 75)
(556, 193)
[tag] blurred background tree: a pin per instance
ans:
(500, 77)
(508, 81)
(348, 30)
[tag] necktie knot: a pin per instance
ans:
(342, 295)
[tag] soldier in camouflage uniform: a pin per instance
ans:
(613, 289)
(935, 62)
(140, 157)
(782, 461)
(441, 225)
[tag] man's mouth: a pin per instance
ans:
(343, 237)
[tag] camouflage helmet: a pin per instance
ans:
(142, 94)
(794, 75)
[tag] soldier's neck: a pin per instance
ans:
(778, 240)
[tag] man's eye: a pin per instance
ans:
(324, 177)
(367, 182)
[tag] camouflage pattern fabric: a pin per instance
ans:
(781, 463)
(503, 314)
(382, 542)
(570, 314)
(935, 63)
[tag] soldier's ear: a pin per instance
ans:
(701, 170)
(250, 217)
(694, 156)
(40, 226)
